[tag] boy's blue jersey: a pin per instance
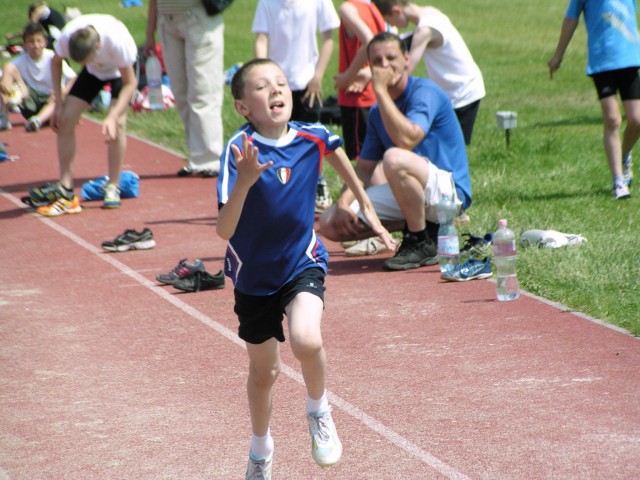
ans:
(612, 33)
(274, 240)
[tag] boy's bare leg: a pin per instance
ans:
(66, 130)
(117, 149)
(612, 120)
(264, 367)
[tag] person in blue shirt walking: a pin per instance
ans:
(266, 195)
(413, 154)
(613, 51)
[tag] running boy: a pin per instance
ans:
(106, 50)
(30, 73)
(266, 194)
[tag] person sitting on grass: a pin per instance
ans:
(413, 154)
(27, 82)
(266, 196)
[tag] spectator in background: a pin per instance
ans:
(414, 153)
(613, 48)
(447, 58)
(29, 74)
(51, 19)
(286, 32)
(193, 51)
(105, 49)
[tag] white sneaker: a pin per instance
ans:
(111, 196)
(627, 169)
(326, 448)
(259, 469)
(368, 246)
(621, 191)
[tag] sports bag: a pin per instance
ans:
(129, 186)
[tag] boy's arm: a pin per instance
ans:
(249, 170)
(261, 45)
(314, 87)
(354, 188)
(355, 26)
(129, 84)
(569, 26)
(419, 44)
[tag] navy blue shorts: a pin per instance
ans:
(87, 86)
(261, 316)
(626, 81)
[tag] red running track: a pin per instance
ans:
(104, 374)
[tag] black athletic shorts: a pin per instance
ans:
(261, 316)
(88, 86)
(626, 81)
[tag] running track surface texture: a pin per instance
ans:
(105, 374)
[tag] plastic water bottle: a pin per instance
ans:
(448, 243)
(154, 82)
(504, 256)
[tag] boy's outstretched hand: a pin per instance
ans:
(247, 164)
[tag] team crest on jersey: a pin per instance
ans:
(284, 174)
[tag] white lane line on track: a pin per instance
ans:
(370, 422)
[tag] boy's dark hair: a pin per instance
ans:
(35, 5)
(237, 82)
(83, 43)
(31, 29)
(387, 37)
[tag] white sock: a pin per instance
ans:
(320, 405)
(261, 447)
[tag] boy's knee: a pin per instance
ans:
(263, 376)
(306, 348)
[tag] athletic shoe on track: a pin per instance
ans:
(627, 169)
(43, 195)
(259, 469)
(111, 196)
(182, 270)
(621, 191)
(472, 269)
(326, 448)
(60, 207)
(475, 246)
(131, 240)
(413, 254)
(200, 281)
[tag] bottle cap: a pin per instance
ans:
(502, 223)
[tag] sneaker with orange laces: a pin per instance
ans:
(61, 206)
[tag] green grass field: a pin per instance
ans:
(553, 176)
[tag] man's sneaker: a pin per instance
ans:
(33, 124)
(259, 469)
(368, 246)
(111, 196)
(627, 169)
(61, 206)
(131, 240)
(476, 247)
(187, 171)
(200, 281)
(182, 270)
(326, 448)
(323, 196)
(43, 195)
(413, 254)
(472, 269)
(621, 191)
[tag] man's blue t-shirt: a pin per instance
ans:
(612, 33)
(274, 240)
(426, 105)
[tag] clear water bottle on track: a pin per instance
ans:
(153, 71)
(504, 256)
(448, 242)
